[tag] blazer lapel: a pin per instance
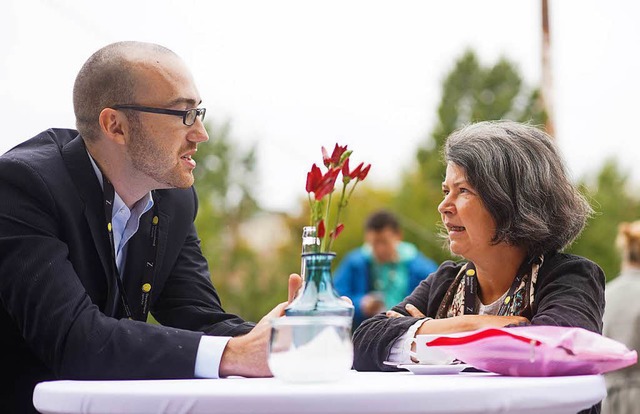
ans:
(81, 171)
(137, 249)
(134, 268)
(163, 234)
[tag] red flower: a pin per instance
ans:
(327, 184)
(363, 174)
(348, 176)
(321, 229)
(336, 155)
(313, 178)
(334, 234)
(322, 185)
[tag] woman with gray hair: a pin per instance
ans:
(508, 210)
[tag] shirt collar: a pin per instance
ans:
(118, 203)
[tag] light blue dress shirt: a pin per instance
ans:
(125, 223)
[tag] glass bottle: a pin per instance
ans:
(310, 244)
(317, 296)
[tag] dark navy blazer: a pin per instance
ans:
(57, 287)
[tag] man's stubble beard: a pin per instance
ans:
(152, 160)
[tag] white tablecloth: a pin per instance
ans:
(358, 392)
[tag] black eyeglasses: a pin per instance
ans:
(188, 117)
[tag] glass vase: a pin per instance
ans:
(318, 297)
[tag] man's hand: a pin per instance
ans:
(295, 283)
(246, 355)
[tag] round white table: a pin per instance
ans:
(358, 392)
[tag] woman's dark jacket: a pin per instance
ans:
(569, 292)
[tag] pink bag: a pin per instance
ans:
(538, 351)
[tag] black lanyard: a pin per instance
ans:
(471, 288)
(152, 250)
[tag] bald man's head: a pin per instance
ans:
(108, 78)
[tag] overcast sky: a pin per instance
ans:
(295, 75)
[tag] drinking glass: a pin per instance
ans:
(310, 348)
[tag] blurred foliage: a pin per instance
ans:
(251, 252)
(224, 181)
(471, 92)
(613, 201)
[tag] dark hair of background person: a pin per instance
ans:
(521, 179)
(380, 220)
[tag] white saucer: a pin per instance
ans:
(427, 369)
(424, 369)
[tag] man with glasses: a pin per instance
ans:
(96, 233)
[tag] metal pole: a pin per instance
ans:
(547, 79)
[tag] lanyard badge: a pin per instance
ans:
(151, 251)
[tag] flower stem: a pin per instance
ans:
(340, 206)
(353, 188)
(327, 226)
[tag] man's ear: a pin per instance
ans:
(114, 125)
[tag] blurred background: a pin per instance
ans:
(281, 79)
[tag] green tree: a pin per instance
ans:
(225, 180)
(610, 196)
(471, 92)
(251, 281)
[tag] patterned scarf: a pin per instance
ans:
(519, 305)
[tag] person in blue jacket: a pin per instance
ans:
(382, 272)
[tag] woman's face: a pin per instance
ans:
(468, 222)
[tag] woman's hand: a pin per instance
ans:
(464, 323)
(413, 311)
(461, 323)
